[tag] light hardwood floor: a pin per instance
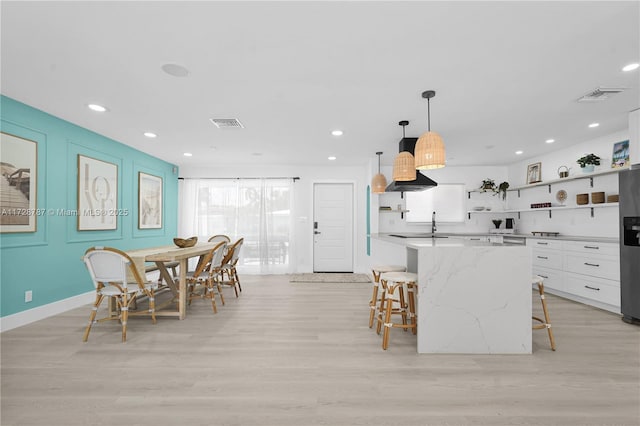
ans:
(302, 354)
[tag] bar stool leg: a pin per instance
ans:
(374, 298)
(383, 298)
(387, 320)
(411, 288)
(403, 306)
(547, 320)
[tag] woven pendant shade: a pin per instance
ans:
(429, 152)
(378, 184)
(404, 168)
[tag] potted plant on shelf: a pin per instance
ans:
(588, 161)
(488, 185)
(502, 189)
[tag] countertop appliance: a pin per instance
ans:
(629, 190)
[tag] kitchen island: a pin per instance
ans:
(473, 296)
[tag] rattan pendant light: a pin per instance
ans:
(379, 182)
(429, 152)
(404, 168)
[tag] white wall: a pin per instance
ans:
(604, 223)
(472, 177)
(569, 222)
(602, 147)
(302, 247)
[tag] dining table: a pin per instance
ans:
(163, 255)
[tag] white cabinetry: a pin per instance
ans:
(548, 262)
(593, 271)
(585, 271)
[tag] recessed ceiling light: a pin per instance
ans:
(631, 67)
(519, 152)
(175, 70)
(337, 132)
(331, 158)
(150, 135)
(96, 107)
(594, 124)
(187, 154)
(550, 140)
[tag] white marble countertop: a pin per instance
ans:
(434, 242)
(387, 237)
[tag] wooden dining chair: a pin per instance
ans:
(228, 268)
(202, 283)
(220, 237)
(108, 269)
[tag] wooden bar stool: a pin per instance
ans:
(377, 270)
(396, 283)
(536, 279)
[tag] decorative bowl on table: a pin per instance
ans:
(185, 242)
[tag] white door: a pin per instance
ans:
(333, 227)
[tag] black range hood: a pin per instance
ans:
(421, 183)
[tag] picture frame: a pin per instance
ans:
(534, 173)
(97, 194)
(149, 201)
(620, 155)
(18, 193)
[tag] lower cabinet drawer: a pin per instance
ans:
(547, 259)
(597, 266)
(552, 279)
(591, 248)
(604, 291)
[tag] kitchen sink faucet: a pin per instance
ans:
(433, 224)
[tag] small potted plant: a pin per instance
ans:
(488, 185)
(588, 161)
(502, 189)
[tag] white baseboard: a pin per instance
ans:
(41, 312)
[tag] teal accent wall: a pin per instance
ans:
(368, 220)
(48, 261)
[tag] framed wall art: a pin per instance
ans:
(19, 168)
(534, 174)
(620, 157)
(149, 201)
(97, 194)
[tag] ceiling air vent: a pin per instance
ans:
(601, 94)
(226, 123)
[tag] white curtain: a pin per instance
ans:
(258, 210)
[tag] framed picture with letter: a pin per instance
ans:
(97, 194)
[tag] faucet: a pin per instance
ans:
(433, 224)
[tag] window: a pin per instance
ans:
(258, 210)
(447, 200)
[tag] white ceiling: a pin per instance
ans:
(507, 75)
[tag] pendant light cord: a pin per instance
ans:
(429, 114)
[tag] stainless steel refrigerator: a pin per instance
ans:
(629, 190)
